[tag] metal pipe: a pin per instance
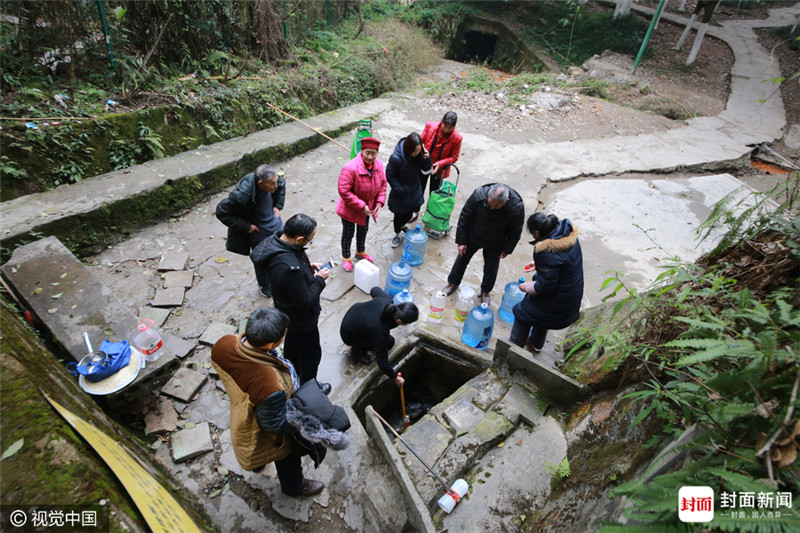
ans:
(647, 35)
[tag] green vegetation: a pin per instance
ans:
(206, 84)
(716, 345)
(573, 34)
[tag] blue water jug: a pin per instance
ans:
(478, 327)
(403, 296)
(398, 277)
(511, 297)
(416, 242)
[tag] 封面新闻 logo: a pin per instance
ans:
(696, 504)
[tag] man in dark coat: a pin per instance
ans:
(408, 163)
(553, 298)
(491, 220)
(367, 325)
(252, 212)
(296, 286)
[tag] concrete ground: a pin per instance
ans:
(627, 224)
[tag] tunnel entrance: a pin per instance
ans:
(479, 46)
(431, 373)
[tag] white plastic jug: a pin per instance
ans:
(366, 276)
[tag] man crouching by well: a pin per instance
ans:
(258, 382)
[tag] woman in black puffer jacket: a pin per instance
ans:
(553, 298)
(409, 161)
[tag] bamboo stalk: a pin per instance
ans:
(276, 108)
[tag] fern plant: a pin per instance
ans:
(722, 357)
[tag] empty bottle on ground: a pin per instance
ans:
(148, 340)
(398, 277)
(478, 327)
(464, 303)
(416, 242)
(511, 297)
(438, 301)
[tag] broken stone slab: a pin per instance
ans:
(338, 286)
(169, 297)
(553, 384)
(177, 346)
(427, 437)
(178, 278)
(69, 299)
(157, 315)
(189, 443)
(215, 331)
(210, 406)
(462, 416)
(520, 404)
(163, 419)
(173, 260)
(184, 384)
(490, 392)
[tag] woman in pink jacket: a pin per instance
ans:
(362, 193)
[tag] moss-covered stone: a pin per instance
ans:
(55, 466)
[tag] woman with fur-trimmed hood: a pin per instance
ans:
(553, 298)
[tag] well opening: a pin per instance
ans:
(432, 374)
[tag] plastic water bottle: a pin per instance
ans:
(148, 340)
(464, 303)
(478, 327)
(403, 296)
(511, 297)
(398, 277)
(438, 302)
(416, 242)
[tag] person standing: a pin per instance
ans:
(491, 220)
(297, 284)
(553, 298)
(367, 326)
(259, 382)
(362, 193)
(408, 163)
(443, 142)
(252, 212)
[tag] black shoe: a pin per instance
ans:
(325, 388)
(449, 289)
(364, 359)
(311, 487)
(265, 293)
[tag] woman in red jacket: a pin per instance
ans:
(362, 193)
(443, 142)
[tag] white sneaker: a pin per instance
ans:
(396, 241)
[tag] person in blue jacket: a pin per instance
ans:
(366, 326)
(409, 162)
(553, 298)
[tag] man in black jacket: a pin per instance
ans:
(252, 212)
(296, 286)
(491, 219)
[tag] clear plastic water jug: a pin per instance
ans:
(464, 303)
(511, 297)
(403, 296)
(416, 242)
(148, 340)
(438, 301)
(478, 327)
(398, 277)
